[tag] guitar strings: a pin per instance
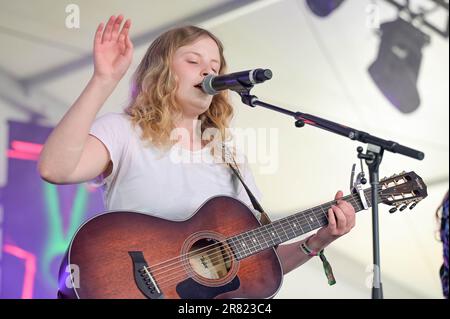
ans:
(177, 276)
(218, 255)
(300, 215)
(204, 249)
(216, 258)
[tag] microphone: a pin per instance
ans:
(238, 81)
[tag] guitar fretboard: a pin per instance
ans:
(287, 228)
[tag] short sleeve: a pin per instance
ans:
(112, 129)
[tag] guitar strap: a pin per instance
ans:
(264, 217)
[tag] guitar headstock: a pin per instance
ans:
(402, 190)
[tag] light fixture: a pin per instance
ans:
(396, 68)
(323, 8)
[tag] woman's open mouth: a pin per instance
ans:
(199, 86)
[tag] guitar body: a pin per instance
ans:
(114, 255)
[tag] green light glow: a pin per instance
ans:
(57, 242)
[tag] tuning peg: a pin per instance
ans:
(393, 176)
(383, 179)
(403, 207)
(393, 210)
(413, 205)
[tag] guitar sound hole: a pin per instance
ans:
(209, 259)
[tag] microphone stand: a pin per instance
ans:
(372, 157)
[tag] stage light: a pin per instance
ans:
(322, 8)
(396, 69)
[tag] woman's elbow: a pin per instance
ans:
(47, 174)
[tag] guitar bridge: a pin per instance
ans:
(143, 277)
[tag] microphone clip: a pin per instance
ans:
(248, 98)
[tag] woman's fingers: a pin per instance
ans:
(124, 31)
(341, 220)
(116, 28)
(108, 30)
(350, 214)
(111, 31)
(346, 209)
(124, 39)
(331, 220)
(129, 47)
(98, 35)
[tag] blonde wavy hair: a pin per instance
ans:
(153, 106)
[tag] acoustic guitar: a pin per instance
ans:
(221, 251)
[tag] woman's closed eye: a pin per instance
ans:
(195, 62)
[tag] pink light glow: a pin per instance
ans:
(30, 268)
(27, 147)
(22, 155)
(24, 150)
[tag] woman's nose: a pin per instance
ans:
(206, 70)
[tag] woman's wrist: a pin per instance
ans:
(104, 81)
(315, 243)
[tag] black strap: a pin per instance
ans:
(264, 217)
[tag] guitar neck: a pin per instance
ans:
(253, 241)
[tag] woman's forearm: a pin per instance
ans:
(291, 256)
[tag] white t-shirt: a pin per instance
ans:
(166, 185)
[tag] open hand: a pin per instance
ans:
(113, 50)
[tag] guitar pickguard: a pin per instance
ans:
(190, 289)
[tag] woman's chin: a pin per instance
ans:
(201, 105)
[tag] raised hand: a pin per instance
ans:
(113, 50)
